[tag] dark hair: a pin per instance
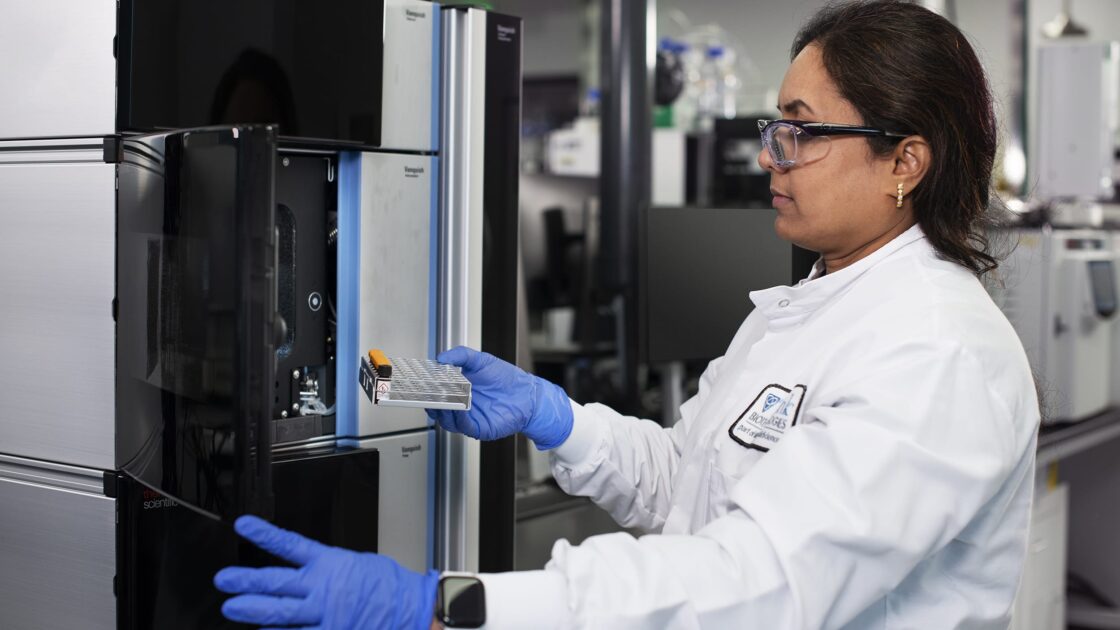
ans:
(907, 69)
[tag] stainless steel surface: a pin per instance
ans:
(409, 82)
(394, 298)
(57, 334)
(59, 75)
(52, 150)
(1058, 443)
(62, 476)
(672, 392)
(1086, 616)
(404, 501)
(57, 550)
(460, 258)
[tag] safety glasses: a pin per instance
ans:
(795, 142)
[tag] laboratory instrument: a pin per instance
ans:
(210, 210)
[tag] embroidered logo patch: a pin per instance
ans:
(767, 419)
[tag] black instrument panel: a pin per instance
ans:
(196, 315)
(313, 69)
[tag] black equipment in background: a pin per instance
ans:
(737, 179)
(722, 168)
(548, 103)
(698, 267)
(669, 77)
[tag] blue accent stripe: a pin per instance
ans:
(349, 243)
(433, 251)
(437, 62)
(431, 503)
(433, 262)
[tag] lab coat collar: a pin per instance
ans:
(787, 306)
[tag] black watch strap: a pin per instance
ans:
(461, 601)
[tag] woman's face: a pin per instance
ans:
(842, 202)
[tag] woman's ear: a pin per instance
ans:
(911, 162)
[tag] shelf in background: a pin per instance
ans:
(1087, 616)
(1058, 442)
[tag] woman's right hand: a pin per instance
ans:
(505, 400)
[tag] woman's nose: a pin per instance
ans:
(765, 161)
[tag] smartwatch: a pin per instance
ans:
(461, 601)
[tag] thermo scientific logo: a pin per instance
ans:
(408, 450)
(413, 171)
(154, 501)
(506, 33)
(412, 16)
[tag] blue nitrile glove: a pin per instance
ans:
(505, 400)
(333, 588)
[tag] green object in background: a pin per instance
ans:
(663, 116)
(476, 4)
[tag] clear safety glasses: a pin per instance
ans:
(795, 142)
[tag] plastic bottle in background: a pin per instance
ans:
(591, 102)
(672, 69)
(686, 109)
(729, 85)
(710, 90)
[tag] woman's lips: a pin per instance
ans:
(781, 200)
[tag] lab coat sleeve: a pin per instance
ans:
(892, 467)
(626, 465)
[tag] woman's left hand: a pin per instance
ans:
(331, 589)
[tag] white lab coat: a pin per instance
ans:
(899, 416)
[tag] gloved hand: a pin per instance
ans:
(333, 588)
(506, 400)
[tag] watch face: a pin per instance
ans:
(462, 602)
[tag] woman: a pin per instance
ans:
(862, 456)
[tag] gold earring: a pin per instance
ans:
(899, 204)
